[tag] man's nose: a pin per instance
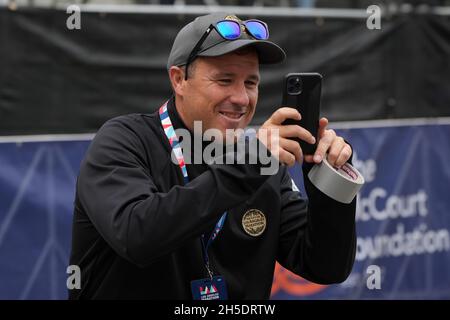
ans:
(239, 95)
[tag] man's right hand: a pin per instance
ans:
(287, 151)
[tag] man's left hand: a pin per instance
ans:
(336, 147)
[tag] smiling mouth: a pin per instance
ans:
(232, 115)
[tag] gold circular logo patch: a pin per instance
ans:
(254, 222)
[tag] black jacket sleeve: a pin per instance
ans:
(317, 236)
(118, 193)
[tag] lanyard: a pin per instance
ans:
(176, 148)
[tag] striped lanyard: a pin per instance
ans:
(176, 148)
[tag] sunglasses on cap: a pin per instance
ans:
(230, 30)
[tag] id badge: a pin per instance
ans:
(209, 289)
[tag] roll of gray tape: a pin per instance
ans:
(339, 184)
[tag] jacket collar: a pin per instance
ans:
(175, 118)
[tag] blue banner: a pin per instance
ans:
(403, 221)
(37, 187)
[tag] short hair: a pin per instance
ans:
(191, 68)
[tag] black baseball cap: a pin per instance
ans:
(216, 45)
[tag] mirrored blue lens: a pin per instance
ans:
(257, 29)
(229, 29)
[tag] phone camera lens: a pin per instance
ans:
(294, 85)
(294, 81)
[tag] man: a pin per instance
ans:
(147, 227)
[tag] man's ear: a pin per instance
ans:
(176, 75)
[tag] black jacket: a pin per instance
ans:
(137, 228)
